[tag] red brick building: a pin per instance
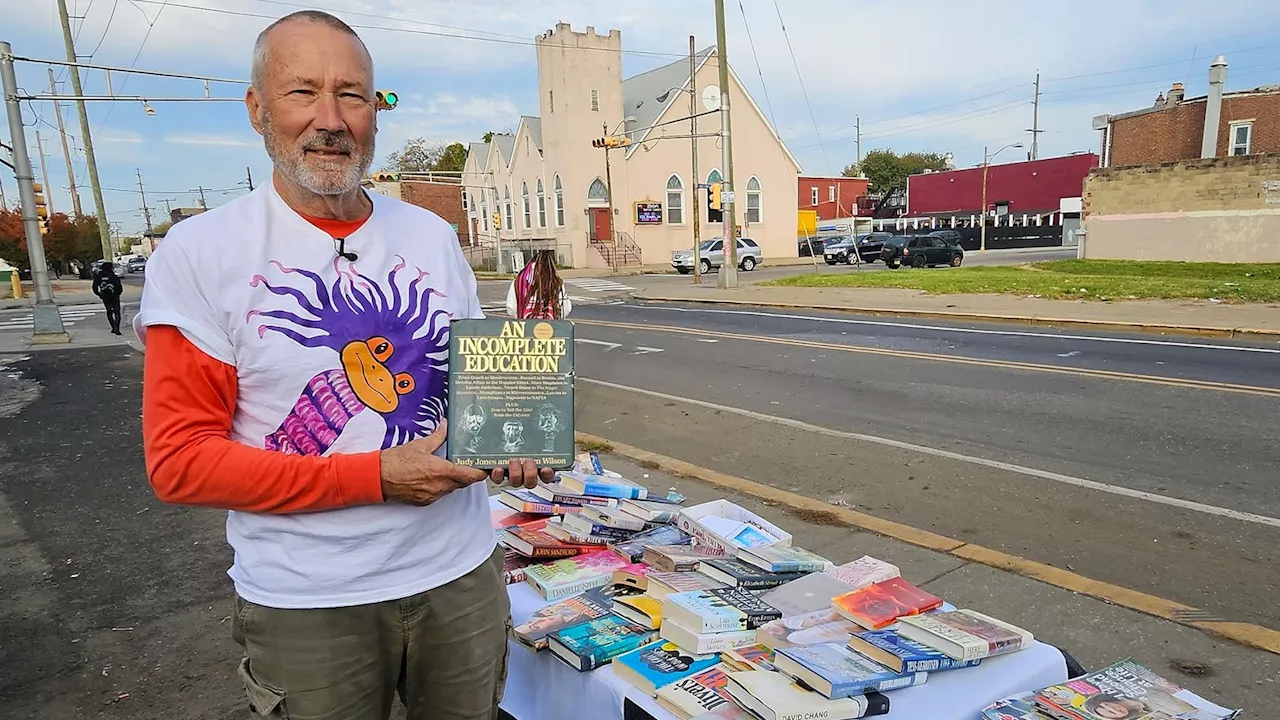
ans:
(440, 195)
(1174, 127)
(832, 197)
(1035, 186)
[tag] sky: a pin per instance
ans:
(927, 75)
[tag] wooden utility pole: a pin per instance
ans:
(44, 172)
(146, 211)
(728, 275)
(66, 149)
(104, 230)
(1035, 122)
(695, 206)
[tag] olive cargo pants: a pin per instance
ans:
(444, 651)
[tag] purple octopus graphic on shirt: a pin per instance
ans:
(392, 351)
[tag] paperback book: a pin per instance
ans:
(510, 392)
(836, 671)
(676, 558)
(736, 573)
(775, 696)
(777, 558)
(697, 694)
(722, 609)
(659, 664)
(559, 615)
(880, 605)
(965, 634)
(588, 645)
(864, 571)
(812, 628)
(563, 578)
(633, 549)
(903, 655)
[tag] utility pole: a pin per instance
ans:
(4, 204)
(44, 172)
(695, 206)
(46, 319)
(146, 212)
(857, 124)
(1035, 122)
(248, 174)
(728, 276)
(203, 204)
(168, 210)
(986, 165)
(66, 150)
(608, 184)
(104, 230)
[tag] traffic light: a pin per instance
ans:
(713, 196)
(42, 208)
(497, 221)
(386, 177)
(611, 142)
(387, 99)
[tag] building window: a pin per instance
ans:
(598, 192)
(484, 213)
(524, 201)
(472, 204)
(595, 101)
(831, 193)
(559, 190)
(507, 196)
(753, 200)
(675, 201)
(1241, 137)
(542, 205)
(813, 196)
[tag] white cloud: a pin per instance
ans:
(119, 137)
(183, 138)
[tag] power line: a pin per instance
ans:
(803, 91)
(772, 118)
(1163, 64)
(393, 18)
(106, 29)
(430, 33)
(147, 36)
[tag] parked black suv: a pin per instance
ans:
(936, 248)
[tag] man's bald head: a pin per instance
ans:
(262, 47)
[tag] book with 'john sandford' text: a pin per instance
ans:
(511, 392)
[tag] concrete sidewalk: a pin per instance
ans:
(1254, 321)
(66, 292)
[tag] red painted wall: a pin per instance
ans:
(1034, 186)
(848, 190)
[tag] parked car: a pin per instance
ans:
(810, 246)
(137, 265)
(921, 251)
(837, 250)
(871, 244)
(711, 255)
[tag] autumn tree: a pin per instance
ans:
(420, 155)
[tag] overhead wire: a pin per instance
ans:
(151, 25)
(768, 104)
(800, 76)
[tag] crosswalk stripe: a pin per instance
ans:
(597, 285)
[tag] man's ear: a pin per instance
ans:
(253, 104)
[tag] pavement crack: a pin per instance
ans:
(961, 566)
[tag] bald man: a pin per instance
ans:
(296, 366)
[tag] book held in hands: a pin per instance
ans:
(510, 392)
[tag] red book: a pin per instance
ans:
(533, 542)
(879, 605)
(505, 517)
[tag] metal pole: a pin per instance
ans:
(44, 172)
(728, 276)
(104, 230)
(695, 207)
(203, 204)
(1035, 122)
(857, 124)
(249, 175)
(608, 186)
(146, 211)
(986, 164)
(46, 320)
(66, 150)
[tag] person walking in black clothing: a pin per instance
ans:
(108, 287)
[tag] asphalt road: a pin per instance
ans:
(1089, 422)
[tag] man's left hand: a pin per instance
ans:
(519, 473)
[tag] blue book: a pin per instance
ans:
(903, 655)
(659, 664)
(717, 610)
(836, 671)
(602, 486)
(588, 645)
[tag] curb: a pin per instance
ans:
(1114, 325)
(1247, 634)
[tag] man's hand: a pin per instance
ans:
(524, 473)
(412, 473)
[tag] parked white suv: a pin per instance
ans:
(711, 255)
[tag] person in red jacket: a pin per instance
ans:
(296, 376)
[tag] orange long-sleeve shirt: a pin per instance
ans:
(188, 403)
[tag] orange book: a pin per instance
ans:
(879, 605)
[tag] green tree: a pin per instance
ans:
(488, 137)
(888, 171)
(420, 155)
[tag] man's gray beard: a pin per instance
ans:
(294, 166)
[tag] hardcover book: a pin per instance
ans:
(903, 655)
(965, 634)
(558, 494)
(662, 584)
(614, 518)
(538, 544)
(864, 571)
(513, 565)
(563, 578)
(510, 392)
(880, 605)
(776, 558)
(659, 664)
(699, 694)
(808, 594)
(819, 626)
(559, 615)
(633, 549)
(722, 609)
(749, 657)
(838, 672)
(601, 485)
(524, 501)
(774, 696)
(704, 643)
(736, 573)
(588, 645)
(676, 558)
(654, 511)
(1129, 690)
(582, 524)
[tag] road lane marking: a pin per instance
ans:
(970, 331)
(642, 350)
(1002, 364)
(997, 464)
(608, 345)
(1249, 634)
(598, 285)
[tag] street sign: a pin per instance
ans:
(454, 226)
(726, 196)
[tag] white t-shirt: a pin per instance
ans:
(255, 285)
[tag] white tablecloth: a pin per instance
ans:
(540, 687)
